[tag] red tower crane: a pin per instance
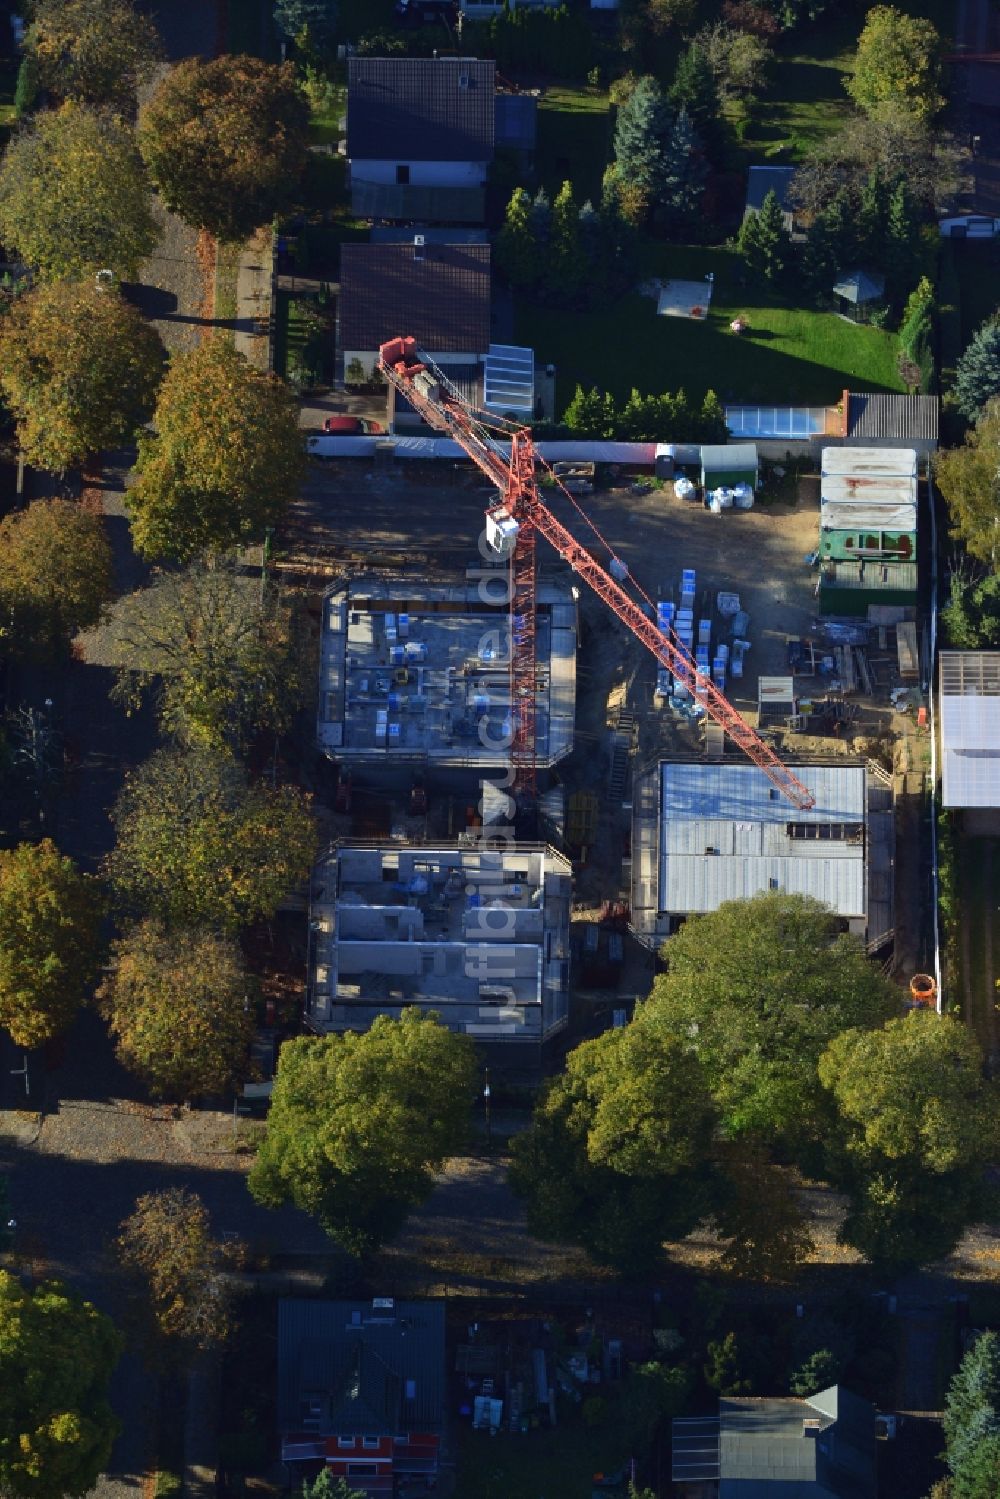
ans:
(512, 528)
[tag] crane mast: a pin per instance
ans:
(513, 525)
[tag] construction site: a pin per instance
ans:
(684, 725)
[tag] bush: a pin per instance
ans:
(26, 89)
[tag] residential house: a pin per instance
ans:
(868, 528)
(361, 1390)
(764, 180)
(420, 137)
(784, 1448)
(970, 729)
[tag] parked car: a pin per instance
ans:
(351, 426)
(969, 226)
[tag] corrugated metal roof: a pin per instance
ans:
(420, 108)
(970, 728)
(724, 836)
(869, 461)
(904, 418)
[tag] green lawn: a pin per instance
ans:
(549, 1464)
(792, 355)
(805, 99)
(574, 140)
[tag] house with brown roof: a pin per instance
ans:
(437, 293)
(420, 137)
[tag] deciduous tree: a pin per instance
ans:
(166, 1247)
(96, 51)
(226, 458)
(178, 1005)
(79, 369)
(916, 1129)
(897, 66)
(56, 575)
(225, 141)
(74, 197)
(49, 941)
(225, 661)
(899, 148)
(198, 845)
(970, 482)
(616, 1158)
(359, 1123)
(57, 1354)
(760, 986)
(325, 1486)
(739, 58)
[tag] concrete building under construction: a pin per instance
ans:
(704, 833)
(419, 673)
(478, 934)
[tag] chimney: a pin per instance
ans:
(419, 243)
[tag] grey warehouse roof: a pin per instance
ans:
(420, 109)
(766, 1451)
(727, 834)
(875, 415)
(970, 728)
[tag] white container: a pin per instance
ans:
(684, 489)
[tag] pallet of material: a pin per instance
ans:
(906, 651)
(845, 667)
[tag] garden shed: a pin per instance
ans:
(724, 465)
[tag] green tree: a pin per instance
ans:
(684, 173)
(756, 1215)
(763, 240)
(972, 1421)
(586, 414)
(57, 1427)
(915, 1131)
(616, 1157)
(56, 575)
(167, 1250)
(198, 845)
(26, 88)
(654, 1394)
(901, 147)
(517, 254)
(566, 269)
(902, 242)
(971, 616)
(292, 17)
(225, 141)
(225, 661)
(93, 51)
(49, 941)
(967, 476)
(897, 66)
(820, 1370)
(359, 1123)
(977, 374)
(694, 88)
(325, 1486)
(178, 1006)
(74, 197)
(79, 369)
(873, 213)
(641, 131)
(739, 59)
(723, 1369)
(760, 986)
(226, 458)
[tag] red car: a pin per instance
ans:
(351, 426)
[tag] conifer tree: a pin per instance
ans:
(684, 172)
(694, 88)
(516, 250)
(567, 270)
(540, 223)
(641, 133)
(873, 211)
(901, 241)
(585, 414)
(977, 374)
(763, 240)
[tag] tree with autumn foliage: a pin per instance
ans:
(226, 141)
(226, 457)
(56, 576)
(174, 1265)
(359, 1123)
(57, 1356)
(178, 1006)
(74, 198)
(897, 66)
(96, 51)
(226, 661)
(198, 844)
(50, 918)
(79, 368)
